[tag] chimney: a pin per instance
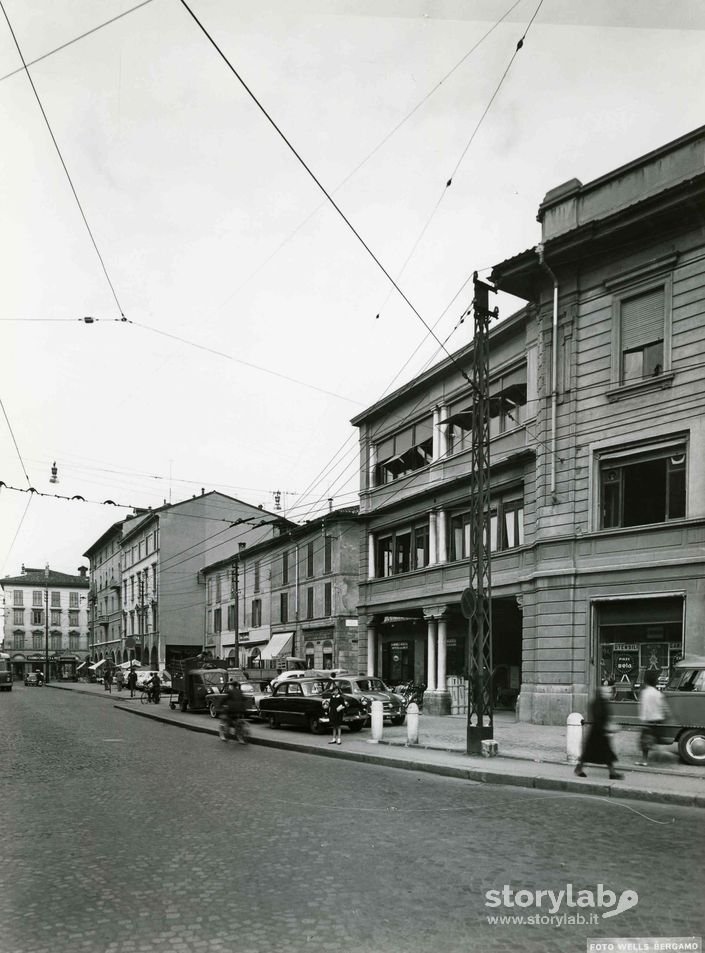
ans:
(82, 570)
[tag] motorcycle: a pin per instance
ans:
(411, 692)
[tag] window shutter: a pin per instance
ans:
(643, 319)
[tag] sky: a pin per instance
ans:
(257, 324)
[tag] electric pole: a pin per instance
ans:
(477, 601)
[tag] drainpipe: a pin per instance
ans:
(554, 366)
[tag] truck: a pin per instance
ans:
(194, 679)
(262, 675)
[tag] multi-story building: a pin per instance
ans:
(162, 554)
(105, 595)
(46, 616)
(295, 594)
(597, 442)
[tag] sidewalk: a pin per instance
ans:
(531, 756)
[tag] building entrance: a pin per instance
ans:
(398, 661)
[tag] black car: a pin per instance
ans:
(306, 702)
(215, 699)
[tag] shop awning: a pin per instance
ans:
(279, 644)
(97, 665)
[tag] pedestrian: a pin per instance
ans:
(597, 748)
(154, 685)
(108, 680)
(652, 714)
(119, 679)
(335, 713)
(132, 681)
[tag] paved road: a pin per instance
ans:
(122, 834)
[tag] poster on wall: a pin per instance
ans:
(625, 665)
(654, 656)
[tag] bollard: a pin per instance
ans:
(376, 722)
(412, 724)
(574, 737)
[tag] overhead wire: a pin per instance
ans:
(14, 440)
(63, 163)
(305, 166)
(449, 181)
(82, 36)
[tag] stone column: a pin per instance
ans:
(437, 451)
(371, 649)
(370, 556)
(372, 466)
(442, 631)
(431, 655)
(442, 535)
(432, 540)
(443, 432)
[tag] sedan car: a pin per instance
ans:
(367, 689)
(306, 702)
(34, 678)
(215, 699)
(685, 722)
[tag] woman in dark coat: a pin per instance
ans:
(597, 748)
(335, 713)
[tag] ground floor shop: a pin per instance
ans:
(62, 668)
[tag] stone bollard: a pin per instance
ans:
(376, 722)
(489, 748)
(574, 737)
(412, 724)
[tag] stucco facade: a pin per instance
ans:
(598, 439)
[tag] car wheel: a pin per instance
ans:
(399, 720)
(691, 746)
(213, 710)
(314, 725)
(272, 721)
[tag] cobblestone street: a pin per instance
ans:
(123, 834)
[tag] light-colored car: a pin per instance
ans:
(144, 674)
(296, 673)
(685, 697)
(367, 689)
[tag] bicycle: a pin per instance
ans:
(234, 728)
(148, 697)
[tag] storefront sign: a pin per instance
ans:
(625, 663)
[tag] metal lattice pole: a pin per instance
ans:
(479, 611)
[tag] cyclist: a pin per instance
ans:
(233, 711)
(154, 687)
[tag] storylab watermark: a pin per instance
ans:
(569, 906)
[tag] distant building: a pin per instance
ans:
(46, 611)
(597, 514)
(158, 567)
(293, 595)
(105, 595)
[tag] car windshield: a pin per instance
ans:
(247, 688)
(687, 680)
(371, 685)
(216, 679)
(313, 688)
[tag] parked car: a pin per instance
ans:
(215, 699)
(367, 689)
(306, 702)
(34, 678)
(685, 697)
(298, 673)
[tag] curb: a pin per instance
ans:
(477, 775)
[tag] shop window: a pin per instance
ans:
(402, 550)
(643, 487)
(404, 452)
(636, 635)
